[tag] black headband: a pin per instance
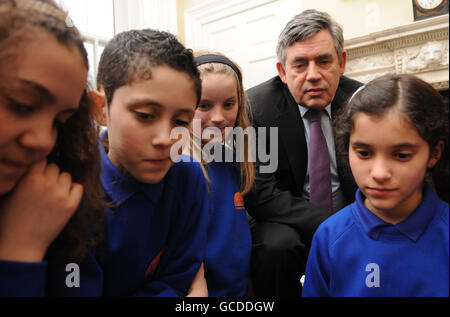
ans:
(213, 58)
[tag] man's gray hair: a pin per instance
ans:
(305, 25)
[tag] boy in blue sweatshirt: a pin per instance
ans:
(157, 223)
(394, 239)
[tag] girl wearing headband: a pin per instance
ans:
(223, 105)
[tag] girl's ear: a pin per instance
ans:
(435, 154)
(100, 106)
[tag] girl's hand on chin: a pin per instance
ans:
(36, 211)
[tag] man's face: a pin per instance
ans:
(312, 70)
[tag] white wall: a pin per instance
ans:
(358, 17)
(100, 20)
(244, 30)
(140, 14)
(91, 17)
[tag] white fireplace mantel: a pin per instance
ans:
(419, 48)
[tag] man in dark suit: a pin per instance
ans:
(311, 62)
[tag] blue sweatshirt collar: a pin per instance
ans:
(412, 227)
(120, 187)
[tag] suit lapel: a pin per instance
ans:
(338, 102)
(291, 133)
(348, 184)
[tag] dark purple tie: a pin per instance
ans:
(319, 165)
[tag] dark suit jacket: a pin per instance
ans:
(276, 197)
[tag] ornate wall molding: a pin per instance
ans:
(420, 48)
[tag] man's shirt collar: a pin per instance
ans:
(304, 110)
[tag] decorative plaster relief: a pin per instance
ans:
(432, 55)
(421, 49)
(368, 63)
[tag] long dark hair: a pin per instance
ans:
(418, 100)
(76, 148)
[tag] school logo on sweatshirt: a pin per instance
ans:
(152, 267)
(238, 201)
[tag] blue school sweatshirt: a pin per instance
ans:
(227, 266)
(37, 279)
(156, 233)
(355, 253)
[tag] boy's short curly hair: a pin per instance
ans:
(131, 55)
